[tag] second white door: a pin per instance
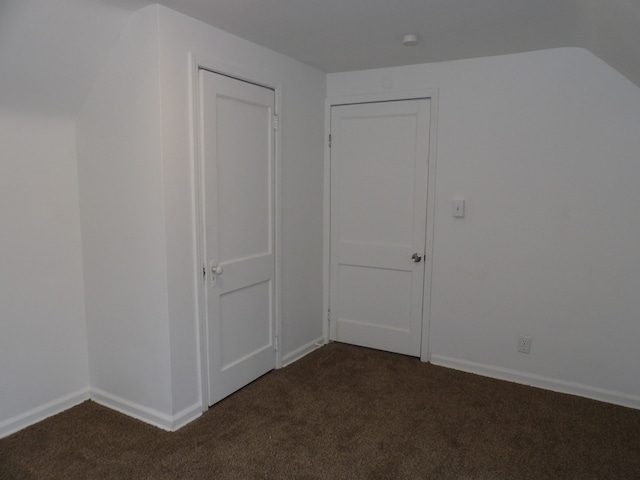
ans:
(379, 168)
(239, 217)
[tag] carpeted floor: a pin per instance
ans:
(345, 412)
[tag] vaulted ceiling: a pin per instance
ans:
(52, 50)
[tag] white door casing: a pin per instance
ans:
(238, 216)
(379, 161)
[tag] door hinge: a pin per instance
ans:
(204, 271)
(275, 343)
(275, 122)
(329, 140)
(329, 315)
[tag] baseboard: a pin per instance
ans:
(148, 415)
(38, 414)
(547, 383)
(187, 415)
(298, 353)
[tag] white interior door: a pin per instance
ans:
(239, 215)
(379, 167)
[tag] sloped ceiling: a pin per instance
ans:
(52, 50)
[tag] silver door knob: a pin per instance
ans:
(217, 269)
(416, 257)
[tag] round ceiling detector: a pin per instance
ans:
(410, 39)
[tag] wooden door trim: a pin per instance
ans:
(432, 95)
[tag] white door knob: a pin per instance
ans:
(216, 269)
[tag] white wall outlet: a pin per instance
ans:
(524, 345)
(458, 208)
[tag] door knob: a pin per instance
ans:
(416, 257)
(216, 269)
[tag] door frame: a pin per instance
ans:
(211, 64)
(330, 102)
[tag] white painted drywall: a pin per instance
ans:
(50, 54)
(123, 229)
(136, 170)
(545, 148)
(43, 348)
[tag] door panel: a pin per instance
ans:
(242, 173)
(252, 304)
(239, 214)
(379, 163)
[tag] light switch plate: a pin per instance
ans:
(458, 208)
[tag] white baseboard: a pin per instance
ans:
(146, 414)
(187, 415)
(547, 383)
(38, 414)
(298, 353)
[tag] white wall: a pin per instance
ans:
(136, 171)
(545, 148)
(122, 212)
(43, 349)
(50, 54)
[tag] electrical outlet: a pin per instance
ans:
(524, 344)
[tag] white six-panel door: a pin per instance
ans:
(237, 134)
(379, 168)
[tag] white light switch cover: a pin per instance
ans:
(458, 208)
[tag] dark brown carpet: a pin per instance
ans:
(346, 412)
